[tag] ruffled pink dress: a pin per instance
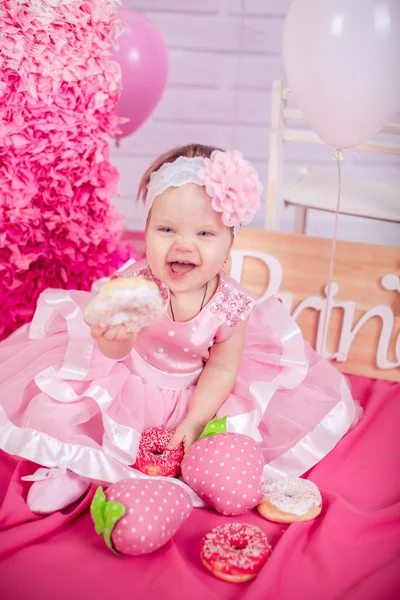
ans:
(63, 404)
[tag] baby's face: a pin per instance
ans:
(186, 241)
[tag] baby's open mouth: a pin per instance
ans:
(181, 267)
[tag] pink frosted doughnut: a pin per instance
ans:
(290, 499)
(235, 552)
(153, 458)
(133, 302)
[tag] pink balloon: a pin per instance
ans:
(143, 58)
(342, 61)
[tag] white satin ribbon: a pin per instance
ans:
(119, 440)
(318, 443)
(52, 303)
(294, 368)
(91, 464)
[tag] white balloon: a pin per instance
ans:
(342, 61)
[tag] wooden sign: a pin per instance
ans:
(364, 317)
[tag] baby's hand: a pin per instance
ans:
(187, 432)
(115, 333)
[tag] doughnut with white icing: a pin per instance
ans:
(289, 500)
(133, 302)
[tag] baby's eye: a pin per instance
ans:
(205, 233)
(165, 229)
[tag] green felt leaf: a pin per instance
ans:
(112, 513)
(214, 427)
(105, 516)
(97, 508)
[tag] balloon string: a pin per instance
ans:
(238, 65)
(338, 156)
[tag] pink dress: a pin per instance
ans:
(63, 404)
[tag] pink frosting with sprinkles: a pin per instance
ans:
(152, 451)
(235, 548)
(291, 495)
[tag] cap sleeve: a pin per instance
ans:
(233, 304)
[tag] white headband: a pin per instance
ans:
(176, 174)
(230, 181)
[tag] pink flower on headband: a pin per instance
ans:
(234, 187)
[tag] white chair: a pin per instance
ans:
(315, 189)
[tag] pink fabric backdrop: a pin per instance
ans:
(352, 552)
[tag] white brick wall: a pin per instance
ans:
(219, 95)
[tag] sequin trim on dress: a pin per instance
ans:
(231, 305)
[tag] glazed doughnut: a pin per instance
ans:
(235, 552)
(133, 302)
(153, 458)
(290, 499)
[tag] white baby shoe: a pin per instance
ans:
(54, 489)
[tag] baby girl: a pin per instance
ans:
(75, 400)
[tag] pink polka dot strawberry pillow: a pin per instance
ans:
(138, 516)
(225, 471)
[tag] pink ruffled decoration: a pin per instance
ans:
(58, 94)
(233, 185)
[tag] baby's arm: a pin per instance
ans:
(218, 377)
(213, 388)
